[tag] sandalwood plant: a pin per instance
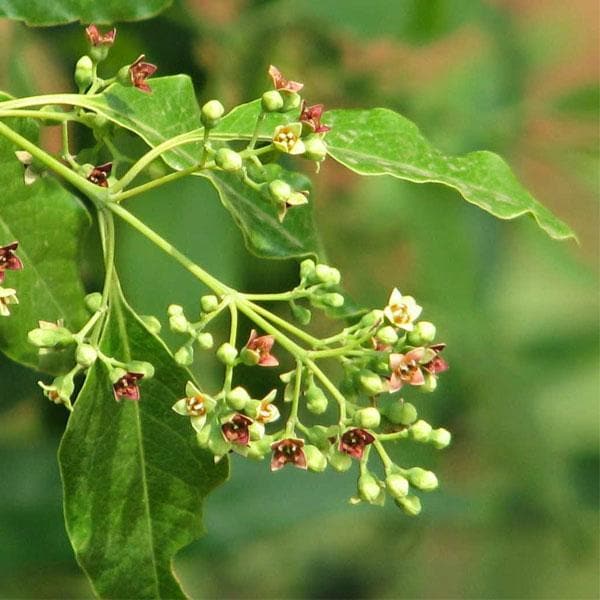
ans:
(145, 441)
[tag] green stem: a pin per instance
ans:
(68, 99)
(385, 457)
(391, 437)
(40, 114)
(293, 418)
(254, 139)
(232, 341)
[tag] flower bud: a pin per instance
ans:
(174, 310)
(421, 431)
(84, 72)
(334, 300)
(319, 436)
(387, 335)
(249, 357)
(316, 401)
(237, 398)
(227, 354)
(429, 384)
(178, 323)
(260, 448)
(368, 488)
(301, 314)
(422, 479)
(271, 101)
(315, 460)
(86, 355)
(228, 160)
(397, 485)
(411, 505)
(371, 318)
(327, 275)
(256, 431)
(367, 418)
(370, 383)
(93, 301)
(423, 333)
(50, 336)
(279, 190)
(315, 149)
(252, 408)
(217, 445)
(211, 113)
(209, 303)
(184, 356)
(152, 323)
(141, 366)
(307, 270)
(401, 413)
(205, 340)
(291, 101)
(440, 438)
(339, 461)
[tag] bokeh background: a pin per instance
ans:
(517, 512)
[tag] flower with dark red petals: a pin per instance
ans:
(311, 116)
(100, 39)
(437, 364)
(236, 430)
(99, 175)
(9, 261)
(127, 387)
(407, 368)
(353, 442)
(290, 450)
(140, 71)
(281, 83)
(262, 345)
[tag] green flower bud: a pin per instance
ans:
(334, 300)
(179, 324)
(339, 461)
(252, 408)
(228, 160)
(315, 460)
(84, 72)
(411, 505)
(217, 445)
(319, 436)
(422, 479)
(237, 398)
(209, 303)
(152, 323)
(205, 340)
(93, 301)
(327, 275)
(401, 413)
(249, 357)
(315, 149)
(430, 383)
(367, 418)
(141, 366)
(440, 438)
(397, 485)
(421, 431)
(271, 101)
(307, 270)
(86, 355)
(211, 113)
(316, 401)
(174, 310)
(291, 101)
(369, 489)
(279, 190)
(301, 314)
(423, 333)
(184, 356)
(371, 318)
(203, 436)
(260, 448)
(387, 335)
(256, 431)
(50, 337)
(370, 383)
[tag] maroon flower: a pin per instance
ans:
(281, 83)
(9, 261)
(353, 442)
(100, 39)
(140, 71)
(99, 175)
(262, 345)
(126, 387)
(437, 364)
(311, 116)
(236, 430)
(287, 451)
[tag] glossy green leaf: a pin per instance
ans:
(48, 223)
(382, 142)
(134, 478)
(58, 12)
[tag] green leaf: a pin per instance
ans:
(58, 12)
(134, 478)
(382, 142)
(48, 223)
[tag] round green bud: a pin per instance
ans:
(301, 314)
(421, 431)
(371, 318)
(84, 72)
(217, 445)
(387, 335)
(271, 101)
(397, 485)
(422, 479)
(260, 448)
(411, 505)
(141, 366)
(227, 354)
(430, 383)
(93, 301)
(315, 459)
(327, 275)
(370, 383)
(237, 398)
(256, 431)
(291, 101)
(50, 338)
(174, 309)
(423, 333)
(368, 488)
(184, 356)
(178, 323)
(228, 160)
(316, 401)
(307, 269)
(368, 418)
(99, 52)
(339, 461)
(211, 113)
(440, 438)
(252, 408)
(315, 149)
(401, 413)
(249, 357)
(152, 323)
(86, 355)
(209, 303)
(319, 436)
(279, 190)
(334, 300)
(205, 340)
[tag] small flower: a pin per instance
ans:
(353, 442)
(236, 431)
(9, 261)
(100, 39)
(311, 116)
(267, 411)
(287, 451)
(99, 175)
(195, 405)
(295, 199)
(401, 310)
(262, 345)
(287, 138)
(7, 296)
(406, 368)
(281, 83)
(60, 390)
(140, 71)
(126, 387)
(437, 364)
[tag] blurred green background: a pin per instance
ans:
(517, 512)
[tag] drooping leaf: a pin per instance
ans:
(382, 142)
(48, 222)
(58, 12)
(134, 478)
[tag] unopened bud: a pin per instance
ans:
(307, 269)
(86, 355)
(423, 333)
(141, 366)
(422, 479)
(205, 340)
(339, 460)
(58, 337)
(279, 190)
(367, 418)
(397, 485)
(174, 309)
(237, 398)
(291, 101)
(440, 438)
(421, 431)
(370, 383)
(387, 335)
(411, 505)
(93, 301)
(334, 300)
(301, 314)
(316, 401)
(179, 324)
(227, 354)
(211, 113)
(209, 303)
(252, 408)
(327, 275)
(315, 460)
(228, 160)
(184, 356)
(372, 318)
(152, 323)
(316, 149)
(271, 101)
(401, 413)
(84, 70)
(430, 383)
(260, 448)
(368, 488)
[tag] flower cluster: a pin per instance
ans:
(9, 261)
